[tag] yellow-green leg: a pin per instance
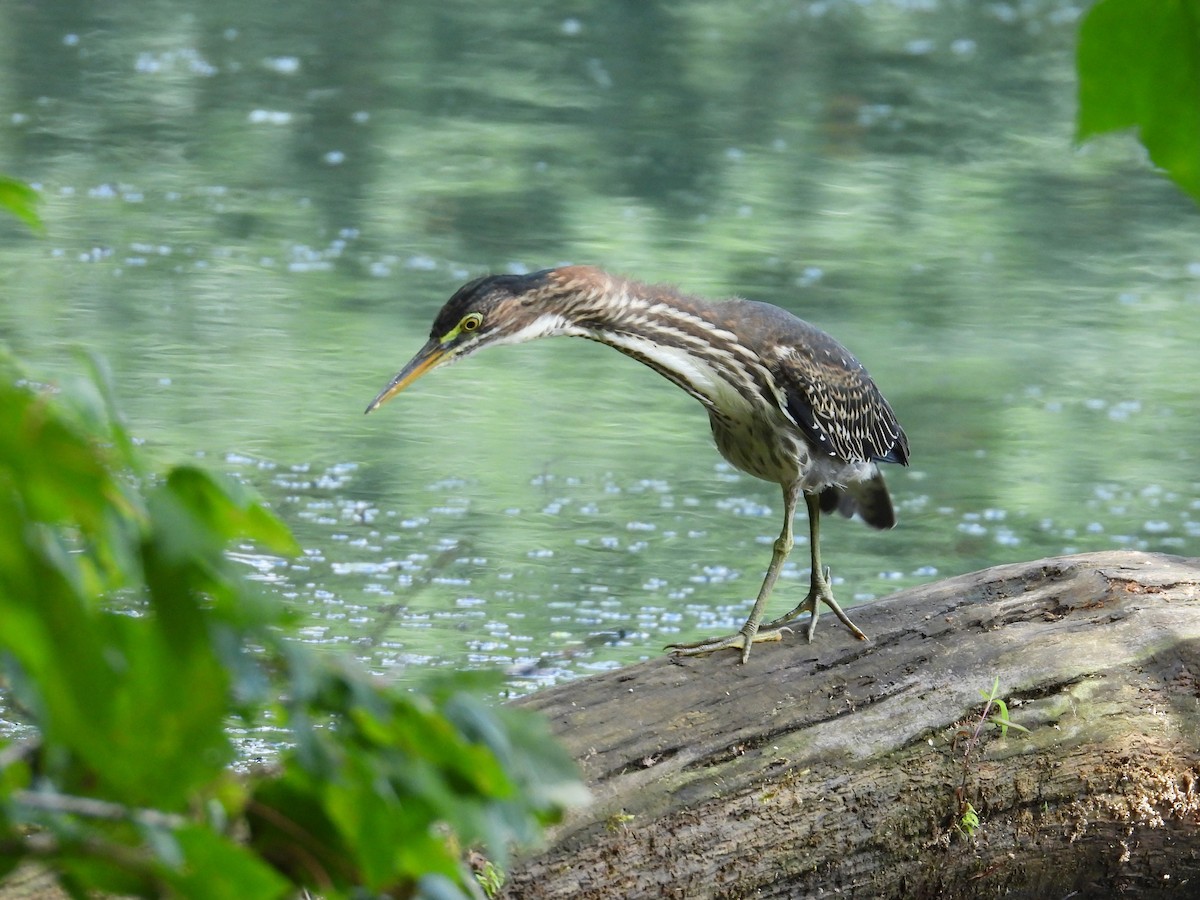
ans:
(749, 633)
(819, 590)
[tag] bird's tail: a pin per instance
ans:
(869, 498)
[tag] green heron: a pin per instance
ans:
(787, 403)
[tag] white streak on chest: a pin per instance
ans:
(689, 371)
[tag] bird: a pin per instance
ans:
(786, 402)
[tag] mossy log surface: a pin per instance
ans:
(841, 767)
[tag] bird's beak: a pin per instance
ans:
(427, 358)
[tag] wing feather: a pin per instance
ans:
(835, 402)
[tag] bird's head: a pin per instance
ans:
(495, 309)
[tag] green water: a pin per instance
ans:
(254, 210)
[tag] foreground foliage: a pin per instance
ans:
(19, 199)
(129, 643)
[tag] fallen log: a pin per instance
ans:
(867, 768)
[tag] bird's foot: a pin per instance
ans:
(820, 592)
(740, 640)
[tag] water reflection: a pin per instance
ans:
(254, 212)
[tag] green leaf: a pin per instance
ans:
(55, 471)
(968, 822)
(1005, 724)
(228, 510)
(289, 829)
(21, 200)
(109, 418)
(216, 868)
(1139, 67)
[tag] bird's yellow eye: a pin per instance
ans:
(471, 322)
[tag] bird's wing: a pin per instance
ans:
(836, 404)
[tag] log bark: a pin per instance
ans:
(845, 768)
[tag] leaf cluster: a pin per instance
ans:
(130, 643)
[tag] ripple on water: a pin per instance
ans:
(440, 602)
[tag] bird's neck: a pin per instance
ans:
(679, 337)
(591, 303)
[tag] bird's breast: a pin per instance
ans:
(777, 451)
(771, 451)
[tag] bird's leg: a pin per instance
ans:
(749, 634)
(819, 590)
